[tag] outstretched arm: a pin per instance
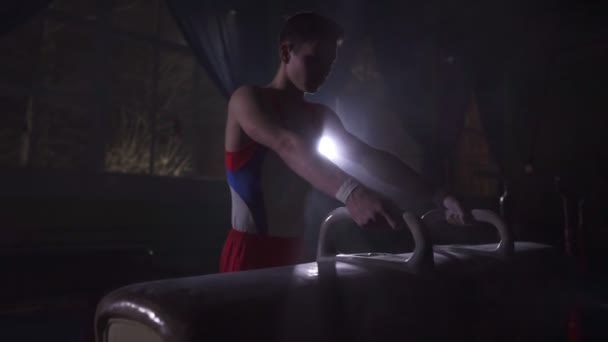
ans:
(384, 165)
(366, 207)
(389, 168)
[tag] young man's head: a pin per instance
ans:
(307, 47)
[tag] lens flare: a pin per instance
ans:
(327, 148)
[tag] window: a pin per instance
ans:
(108, 85)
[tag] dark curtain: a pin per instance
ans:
(493, 53)
(426, 80)
(235, 41)
(491, 95)
(453, 98)
(517, 65)
(15, 13)
(230, 39)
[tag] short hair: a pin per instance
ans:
(306, 27)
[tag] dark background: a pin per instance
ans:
(112, 118)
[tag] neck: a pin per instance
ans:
(289, 93)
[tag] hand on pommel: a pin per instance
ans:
(455, 211)
(370, 210)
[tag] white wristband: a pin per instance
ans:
(346, 189)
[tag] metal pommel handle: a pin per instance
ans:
(423, 251)
(506, 245)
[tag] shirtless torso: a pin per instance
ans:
(268, 198)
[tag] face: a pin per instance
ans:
(309, 64)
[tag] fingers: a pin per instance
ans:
(455, 211)
(454, 217)
(390, 214)
(366, 221)
(380, 220)
(390, 220)
(463, 215)
(374, 212)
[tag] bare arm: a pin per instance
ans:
(366, 207)
(384, 165)
(246, 107)
(393, 171)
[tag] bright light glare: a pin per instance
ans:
(327, 147)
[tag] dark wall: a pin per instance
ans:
(65, 233)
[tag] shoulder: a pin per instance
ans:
(247, 101)
(247, 93)
(328, 114)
